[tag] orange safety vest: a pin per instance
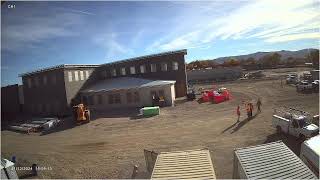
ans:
(238, 111)
(248, 108)
(81, 112)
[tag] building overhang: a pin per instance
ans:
(125, 83)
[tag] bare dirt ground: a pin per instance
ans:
(109, 146)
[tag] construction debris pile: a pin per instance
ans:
(36, 125)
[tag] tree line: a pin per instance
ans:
(267, 61)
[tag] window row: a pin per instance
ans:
(143, 69)
(131, 97)
(45, 108)
(78, 75)
(43, 80)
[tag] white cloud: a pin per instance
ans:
(293, 37)
(23, 30)
(269, 20)
(76, 11)
(113, 47)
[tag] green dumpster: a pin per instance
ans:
(150, 111)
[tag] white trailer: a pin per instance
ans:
(269, 161)
(310, 151)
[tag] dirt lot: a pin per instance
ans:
(109, 146)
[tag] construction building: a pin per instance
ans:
(50, 91)
(127, 83)
(11, 102)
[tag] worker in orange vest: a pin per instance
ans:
(251, 109)
(238, 113)
(248, 110)
(81, 112)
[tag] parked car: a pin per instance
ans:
(292, 79)
(307, 77)
(315, 86)
(297, 126)
(309, 154)
(304, 86)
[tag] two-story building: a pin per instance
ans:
(127, 83)
(49, 91)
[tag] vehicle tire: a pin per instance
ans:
(279, 130)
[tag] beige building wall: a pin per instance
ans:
(145, 97)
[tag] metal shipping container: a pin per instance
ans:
(269, 161)
(192, 164)
(8, 170)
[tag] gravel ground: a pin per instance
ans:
(111, 144)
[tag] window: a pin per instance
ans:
(132, 70)
(70, 76)
(153, 93)
(164, 67)
(123, 71)
(110, 99)
(113, 72)
(29, 82)
(117, 99)
(161, 93)
(175, 66)
(81, 75)
(100, 100)
(129, 97)
(153, 68)
(54, 79)
(103, 74)
(36, 81)
(136, 97)
(76, 76)
(87, 74)
(44, 80)
(142, 69)
(114, 99)
(90, 100)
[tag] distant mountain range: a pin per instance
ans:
(300, 54)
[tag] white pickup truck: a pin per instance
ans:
(297, 126)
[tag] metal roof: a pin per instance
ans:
(184, 51)
(61, 66)
(272, 161)
(95, 65)
(192, 164)
(124, 83)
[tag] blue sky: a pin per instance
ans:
(41, 34)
